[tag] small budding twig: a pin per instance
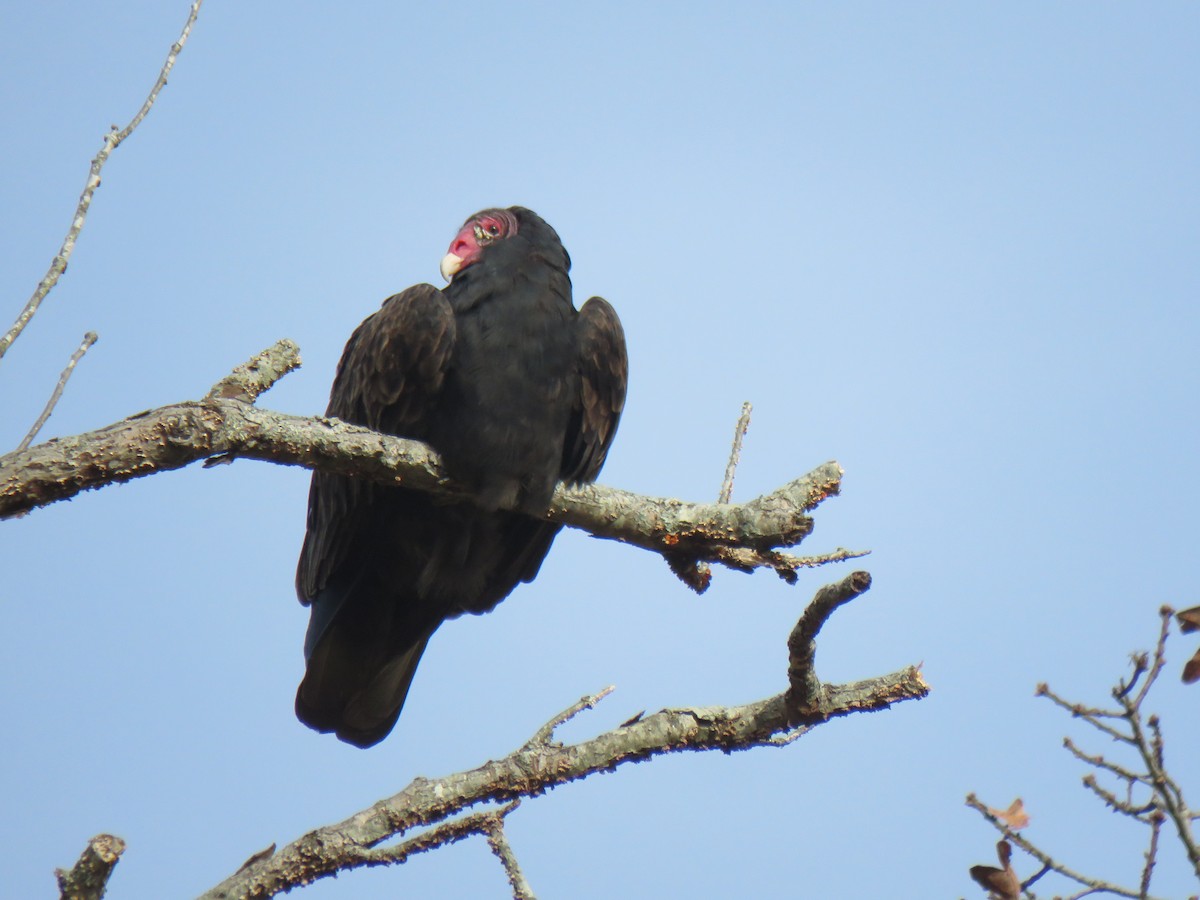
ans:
(1092, 884)
(88, 339)
(1161, 798)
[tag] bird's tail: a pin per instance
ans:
(355, 687)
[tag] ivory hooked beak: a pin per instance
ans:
(450, 265)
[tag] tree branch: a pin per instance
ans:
(735, 453)
(88, 339)
(540, 764)
(222, 425)
(1092, 884)
(805, 698)
(89, 877)
(1161, 797)
(112, 141)
(503, 851)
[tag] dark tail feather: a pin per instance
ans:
(360, 662)
(362, 713)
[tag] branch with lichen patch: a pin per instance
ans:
(88, 878)
(540, 764)
(225, 425)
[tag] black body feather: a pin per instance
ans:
(517, 390)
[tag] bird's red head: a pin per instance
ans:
(480, 230)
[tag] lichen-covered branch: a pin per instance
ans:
(540, 764)
(805, 694)
(88, 878)
(503, 851)
(225, 426)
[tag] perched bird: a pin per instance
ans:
(517, 390)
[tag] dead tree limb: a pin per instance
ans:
(225, 425)
(444, 805)
(88, 878)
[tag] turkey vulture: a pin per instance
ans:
(517, 390)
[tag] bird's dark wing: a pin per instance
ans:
(391, 369)
(603, 367)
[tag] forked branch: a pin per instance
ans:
(1146, 792)
(225, 425)
(444, 807)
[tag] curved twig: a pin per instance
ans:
(112, 141)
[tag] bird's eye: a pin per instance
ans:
(487, 230)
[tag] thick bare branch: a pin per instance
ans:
(175, 436)
(112, 141)
(89, 877)
(805, 698)
(539, 765)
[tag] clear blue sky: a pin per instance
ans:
(953, 246)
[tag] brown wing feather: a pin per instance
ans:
(604, 375)
(392, 367)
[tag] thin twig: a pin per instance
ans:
(112, 140)
(1140, 665)
(693, 572)
(1093, 884)
(1168, 792)
(744, 559)
(1091, 716)
(543, 735)
(88, 339)
(1033, 879)
(442, 835)
(1156, 822)
(735, 452)
(1160, 654)
(503, 850)
(1100, 762)
(1115, 803)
